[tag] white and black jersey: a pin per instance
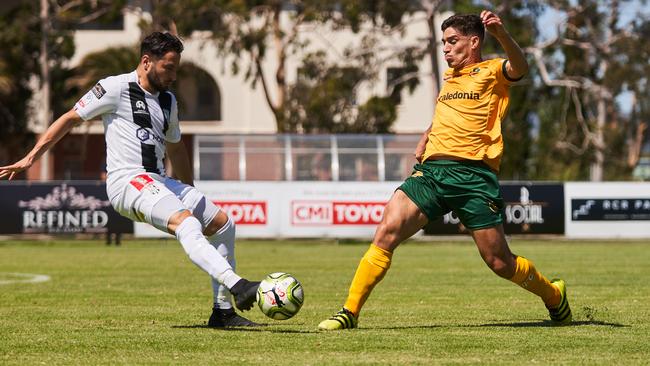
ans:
(136, 124)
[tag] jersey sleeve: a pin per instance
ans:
(502, 74)
(174, 131)
(101, 99)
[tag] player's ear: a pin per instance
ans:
(475, 42)
(146, 61)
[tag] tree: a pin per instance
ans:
(7, 86)
(244, 30)
(36, 39)
(519, 18)
(98, 65)
(594, 59)
(324, 100)
(637, 84)
(19, 41)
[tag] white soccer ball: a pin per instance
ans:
(280, 296)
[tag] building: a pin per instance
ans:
(218, 103)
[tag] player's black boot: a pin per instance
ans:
(244, 292)
(224, 318)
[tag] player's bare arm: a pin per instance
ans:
(52, 135)
(422, 145)
(517, 66)
(180, 161)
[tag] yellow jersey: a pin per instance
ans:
(471, 105)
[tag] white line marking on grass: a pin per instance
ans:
(22, 278)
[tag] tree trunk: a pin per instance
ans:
(596, 171)
(433, 55)
(280, 76)
(46, 164)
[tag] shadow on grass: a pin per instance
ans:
(261, 328)
(550, 324)
(403, 327)
(267, 328)
(542, 323)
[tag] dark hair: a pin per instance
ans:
(466, 24)
(157, 44)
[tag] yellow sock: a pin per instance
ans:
(527, 276)
(372, 268)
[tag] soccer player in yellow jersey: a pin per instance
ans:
(459, 157)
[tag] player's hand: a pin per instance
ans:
(493, 23)
(419, 152)
(13, 169)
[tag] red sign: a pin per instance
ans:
(311, 213)
(245, 213)
(336, 213)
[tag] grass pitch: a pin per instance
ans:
(145, 303)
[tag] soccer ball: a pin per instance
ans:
(280, 296)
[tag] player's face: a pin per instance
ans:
(459, 50)
(162, 72)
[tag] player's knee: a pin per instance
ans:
(188, 232)
(500, 266)
(225, 234)
(219, 223)
(386, 236)
(176, 219)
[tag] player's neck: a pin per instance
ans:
(469, 62)
(143, 81)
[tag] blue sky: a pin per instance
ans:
(548, 25)
(549, 20)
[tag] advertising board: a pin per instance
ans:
(530, 208)
(607, 210)
(297, 209)
(58, 208)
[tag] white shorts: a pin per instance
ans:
(152, 198)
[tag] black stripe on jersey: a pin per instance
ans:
(149, 161)
(142, 118)
(505, 73)
(139, 108)
(165, 101)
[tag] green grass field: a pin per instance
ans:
(145, 303)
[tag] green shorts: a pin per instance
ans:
(469, 189)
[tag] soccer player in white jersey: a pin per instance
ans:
(141, 126)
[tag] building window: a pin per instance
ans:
(199, 97)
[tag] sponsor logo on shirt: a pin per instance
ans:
(140, 108)
(459, 95)
(142, 134)
(98, 90)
